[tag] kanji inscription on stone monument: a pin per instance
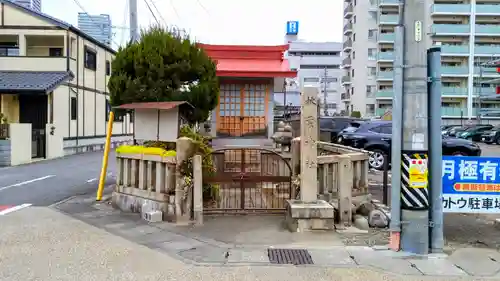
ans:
(308, 145)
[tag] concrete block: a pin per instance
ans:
(331, 257)
(440, 267)
(134, 204)
(308, 210)
(248, 256)
(153, 216)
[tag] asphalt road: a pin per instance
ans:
(47, 182)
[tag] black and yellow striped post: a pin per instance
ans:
(414, 180)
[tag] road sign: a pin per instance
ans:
(292, 27)
(471, 184)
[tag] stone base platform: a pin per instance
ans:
(309, 216)
(132, 203)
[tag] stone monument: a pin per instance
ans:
(309, 213)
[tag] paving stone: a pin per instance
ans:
(248, 256)
(206, 254)
(477, 262)
(132, 231)
(378, 260)
(180, 245)
(75, 208)
(441, 267)
(154, 240)
(331, 256)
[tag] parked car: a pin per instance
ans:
(474, 133)
(491, 136)
(376, 136)
(334, 125)
(455, 132)
(446, 129)
(352, 127)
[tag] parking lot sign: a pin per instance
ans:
(471, 184)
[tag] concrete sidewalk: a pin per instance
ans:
(40, 243)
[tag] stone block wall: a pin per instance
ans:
(5, 153)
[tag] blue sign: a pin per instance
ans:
(292, 27)
(471, 184)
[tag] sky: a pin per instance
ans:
(245, 22)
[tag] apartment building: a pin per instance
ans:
(317, 64)
(97, 26)
(53, 74)
(467, 31)
(35, 5)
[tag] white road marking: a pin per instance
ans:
(26, 182)
(13, 209)
(92, 180)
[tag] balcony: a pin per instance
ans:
(487, 29)
(345, 96)
(33, 53)
(384, 94)
(386, 37)
(346, 79)
(347, 46)
(455, 49)
(489, 50)
(450, 9)
(348, 28)
(348, 11)
(382, 111)
(454, 91)
(453, 111)
(454, 70)
(346, 62)
(385, 56)
(385, 75)
(450, 29)
(482, 9)
(388, 19)
(33, 63)
(389, 2)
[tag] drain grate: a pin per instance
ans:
(289, 256)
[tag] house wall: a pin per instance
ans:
(88, 86)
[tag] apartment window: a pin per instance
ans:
(108, 68)
(311, 79)
(303, 54)
(353, 54)
(354, 19)
(9, 49)
(355, 2)
(90, 58)
(372, 53)
(354, 37)
(331, 66)
(372, 33)
(372, 71)
(329, 79)
(74, 108)
(352, 72)
(55, 52)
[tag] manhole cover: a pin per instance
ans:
(289, 256)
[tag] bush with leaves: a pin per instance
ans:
(163, 66)
(356, 114)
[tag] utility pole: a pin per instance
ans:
(325, 75)
(414, 153)
(134, 26)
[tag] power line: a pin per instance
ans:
(158, 11)
(174, 9)
(151, 11)
(203, 7)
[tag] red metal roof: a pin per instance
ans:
(254, 68)
(249, 61)
(166, 105)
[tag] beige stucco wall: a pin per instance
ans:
(20, 144)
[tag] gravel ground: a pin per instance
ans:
(460, 230)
